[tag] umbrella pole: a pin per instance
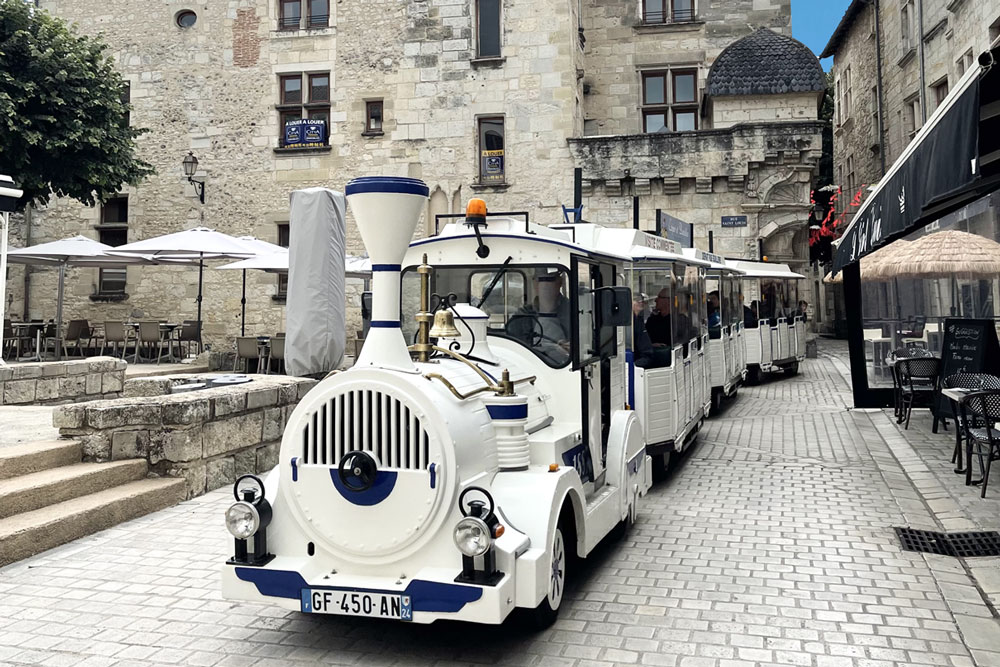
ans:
(4, 224)
(59, 311)
(201, 270)
(243, 304)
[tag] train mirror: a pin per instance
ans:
(613, 306)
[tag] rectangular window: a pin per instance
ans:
(283, 242)
(673, 107)
(874, 103)
(838, 100)
(113, 231)
(667, 11)
(850, 177)
(906, 25)
(290, 14)
(488, 28)
(964, 63)
(373, 117)
(312, 103)
(319, 13)
(848, 92)
(940, 90)
(492, 161)
(911, 117)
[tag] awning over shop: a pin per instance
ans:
(952, 161)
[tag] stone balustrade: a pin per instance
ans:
(209, 437)
(68, 381)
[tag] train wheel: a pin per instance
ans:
(661, 463)
(792, 369)
(753, 375)
(548, 609)
(620, 532)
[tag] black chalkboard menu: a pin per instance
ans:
(968, 346)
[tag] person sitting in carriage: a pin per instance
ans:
(545, 323)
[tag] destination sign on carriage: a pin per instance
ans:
(658, 243)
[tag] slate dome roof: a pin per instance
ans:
(765, 63)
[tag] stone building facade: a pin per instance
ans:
(947, 35)
(501, 99)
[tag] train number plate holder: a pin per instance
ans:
(352, 602)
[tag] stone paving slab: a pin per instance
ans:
(26, 423)
(770, 544)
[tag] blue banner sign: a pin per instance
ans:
(675, 229)
(734, 221)
(305, 133)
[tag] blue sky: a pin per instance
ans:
(813, 21)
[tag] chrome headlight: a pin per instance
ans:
(472, 536)
(242, 520)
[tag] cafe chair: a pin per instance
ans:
(897, 384)
(918, 377)
(247, 348)
(152, 338)
(980, 415)
(972, 382)
(77, 331)
(190, 332)
(12, 341)
(276, 353)
(50, 340)
(114, 333)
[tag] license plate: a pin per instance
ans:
(356, 603)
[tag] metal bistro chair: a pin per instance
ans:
(982, 408)
(247, 348)
(277, 352)
(918, 376)
(190, 332)
(77, 331)
(151, 337)
(972, 382)
(897, 385)
(114, 333)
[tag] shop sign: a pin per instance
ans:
(675, 229)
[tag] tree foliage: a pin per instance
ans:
(63, 122)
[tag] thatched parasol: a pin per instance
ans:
(947, 254)
(870, 264)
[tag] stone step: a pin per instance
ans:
(30, 457)
(35, 490)
(30, 533)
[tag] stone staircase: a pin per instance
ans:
(48, 497)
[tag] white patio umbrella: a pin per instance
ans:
(199, 243)
(262, 249)
(74, 251)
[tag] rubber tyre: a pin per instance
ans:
(753, 375)
(661, 464)
(545, 614)
(792, 369)
(716, 402)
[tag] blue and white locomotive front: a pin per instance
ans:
(381, 503)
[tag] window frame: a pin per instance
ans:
(306, 108)
(668, 13)
(911, 117)
(848, 93)
(906, 26)
(480, 55)
(283, 22)
(284, 237)
(106, 226)
(324, 18)
(669, 107)
(936, 90)
(480, 149)
(369, 106)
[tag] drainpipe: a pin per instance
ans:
(920, 60)
(879, 101)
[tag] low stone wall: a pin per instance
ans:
(209, 437)
(50, 382)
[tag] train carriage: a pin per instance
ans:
(453, 480)
(775, 330)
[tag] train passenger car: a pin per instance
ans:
(775, 330)
(452, 480)
(724, 311)
(669, 376)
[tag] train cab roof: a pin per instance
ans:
(640, 246)
(715, 262)
(752, 269)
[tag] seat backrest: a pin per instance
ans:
(919, 323)
(246, 347)
(280, 334)
(74, 329)
(963, 381)
(114, 332)
(985, 405)
(8, 328)
(50, 330)
(149, 331)
(191, 330)
(278, 347)
(920, 368)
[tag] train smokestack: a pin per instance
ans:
(387, 210)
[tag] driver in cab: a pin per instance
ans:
(544, 324)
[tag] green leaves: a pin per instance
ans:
(62, 118)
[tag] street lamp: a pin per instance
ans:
(10, 194)
(190, 164)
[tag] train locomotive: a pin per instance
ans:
(464, 459)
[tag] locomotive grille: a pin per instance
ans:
(370, 421)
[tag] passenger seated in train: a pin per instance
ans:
(714, 314)
(545, 323)
(658, 329)
(642, 346)
(750, 316)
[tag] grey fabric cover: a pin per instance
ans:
(315, 334)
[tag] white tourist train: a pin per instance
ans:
(498, 423)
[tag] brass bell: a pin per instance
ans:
(444, 325)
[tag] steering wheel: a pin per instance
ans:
(357, 471)
(476, 501)
(536, 333)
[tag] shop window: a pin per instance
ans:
(667, 11)
(304, 96)
(283, 242)
(488, 29)
(670, 101)
(113, 231)
(492, 159)
(373, 117)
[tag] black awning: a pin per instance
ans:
(937, 173)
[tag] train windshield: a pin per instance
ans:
(528, 304)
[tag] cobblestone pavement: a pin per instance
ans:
(770, 544)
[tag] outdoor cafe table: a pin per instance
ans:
(22, 326)
(956, 394)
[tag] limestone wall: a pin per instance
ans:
(728, 111)
(208, 437)
(53, 382)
